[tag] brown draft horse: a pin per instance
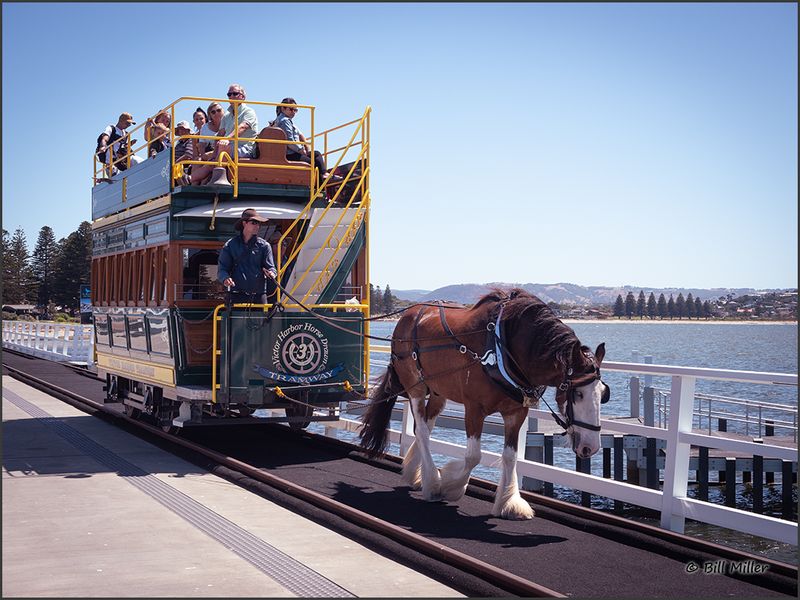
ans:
(440, 353)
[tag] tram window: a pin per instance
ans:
(101, 330)
(119, 339)
(138, 337)
(159, 335)
(200, 274)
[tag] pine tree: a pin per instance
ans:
(630, 305)
(640, 304)
(671, 307)
(619, 307)
(388, 300)
(690, 306)
(680, 306)
(698, 307)
(43, 263)
(662, 306)
(17, 278)
(651, 306)
(73, 266)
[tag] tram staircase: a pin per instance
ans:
(334, 238)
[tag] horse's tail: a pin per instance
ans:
(375, 422)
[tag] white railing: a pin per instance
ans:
(64, 342)
(673, 504)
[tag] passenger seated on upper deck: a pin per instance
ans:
(247, 124)
(156, 132)
(184, 149)
(247, 128)
(206, 148)
(199, 118)
(110, 135)
(297, 152)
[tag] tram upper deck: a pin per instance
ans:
(134, 178)
(144, 204)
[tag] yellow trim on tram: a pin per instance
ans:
(148, 372)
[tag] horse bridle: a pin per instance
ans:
(568, 386)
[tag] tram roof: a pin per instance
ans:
(234, 210)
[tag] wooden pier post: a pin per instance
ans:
(584, 465)
(702, 472)
(548, 460)
(786, 489)
(758, 480)
(730, 482)
(619, 464)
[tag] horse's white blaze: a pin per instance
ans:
(508, 504)
(431, 482)
(455, 474)
(586, 408)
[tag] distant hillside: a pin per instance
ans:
(412, 295)
(562, 293)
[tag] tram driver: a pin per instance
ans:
(245, 262)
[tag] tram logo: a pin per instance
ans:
(300, 349)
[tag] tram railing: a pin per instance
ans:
(101, 170)
(358, 174)
(63, 342)
(672, 500)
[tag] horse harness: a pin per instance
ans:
(493, 362)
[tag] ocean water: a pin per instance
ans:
(764, 347)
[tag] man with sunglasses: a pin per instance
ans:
(245, 262)
(247, 124)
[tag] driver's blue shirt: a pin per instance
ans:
(243, 263)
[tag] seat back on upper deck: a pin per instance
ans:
(272, 154)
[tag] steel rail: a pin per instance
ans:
(485, 571)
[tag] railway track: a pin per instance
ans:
(565, 550)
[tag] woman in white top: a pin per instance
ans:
(206, 146)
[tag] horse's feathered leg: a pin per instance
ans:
(431, 482)
(411, 461)
(455, 474)
(508, 504)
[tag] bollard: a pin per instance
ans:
(652, 465)
(722, 425)
(769, 428)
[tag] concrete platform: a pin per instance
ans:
(91, 511)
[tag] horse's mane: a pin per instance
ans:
(550, 338)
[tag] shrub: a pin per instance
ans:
(9, 316)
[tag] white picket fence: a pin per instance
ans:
(63, 342)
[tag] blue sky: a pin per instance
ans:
(650, 145)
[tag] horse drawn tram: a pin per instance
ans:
(169, 341)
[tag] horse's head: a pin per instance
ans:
(579, 398)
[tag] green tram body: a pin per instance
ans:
(165, 339)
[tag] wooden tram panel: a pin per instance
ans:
(154, 291)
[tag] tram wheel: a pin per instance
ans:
(131, 411)
(300, 410)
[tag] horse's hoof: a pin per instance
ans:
(516, 511)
